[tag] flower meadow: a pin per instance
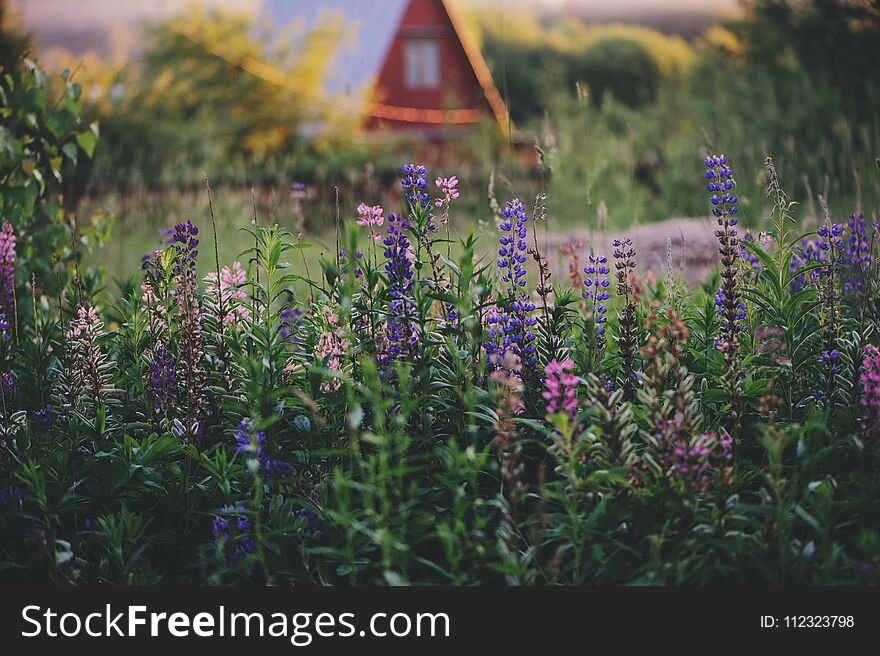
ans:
(420, 412)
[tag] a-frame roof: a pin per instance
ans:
(372, 22)
(374, 25)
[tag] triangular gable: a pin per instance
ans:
(479, 66)
(426, 17)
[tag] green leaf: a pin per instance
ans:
(69, 150)
(87, 141)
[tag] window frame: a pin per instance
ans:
(421, 63)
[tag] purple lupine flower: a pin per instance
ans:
(231, 531)
(625, 267)
(291, 321)
(400, 331)
(510, 328)
(186, 244)
(8, 383)
(41, 420)
(805, 253)
(162, 378)
(250, 443)
(414, 183)
(730, 306)
(832, 245)
(741, 313)
(720, 182)
(697, 461)
(6, 335)
(7, 273)
(191, 372)
(856, 258)
(10, 497)
(596, 293)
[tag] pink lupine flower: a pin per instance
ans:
(86, 323)
(85, 372)
(370, 215)
(449, 188)
(231, 280)
(870, 380)
(697, 461)
(7, 272)
(561, 388)
(331, 348)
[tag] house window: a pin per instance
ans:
(422, 63)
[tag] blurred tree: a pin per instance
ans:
(215, 88)
(532, 61)
(832, 43)
(619, 66)
(41, 137)
(258, 92)
(13, 44)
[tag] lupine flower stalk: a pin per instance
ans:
(662, 355)
(191, 374)
(331, 349)
(232, 534)
(414, 183)
(870, 381)
(832, 245)
(251, 444)
(728, 299)
(613, 417)
(7, 306)
(84, 381)
(731, 309)
(400, 331)
(596, 293)
(449, 189)
(857, 259)
(371, 217)
(511, 327)
(697, 462)
(627, 339)
(162, 379)
(560, 389)
(235, 311)
(7, 275)
(805, 253)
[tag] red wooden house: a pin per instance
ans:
(423, 75)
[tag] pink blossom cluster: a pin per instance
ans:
(231, 281)
(449, 188)
(870, 380)
(86, 325)
(7, 272)
(561, 388)
(370, 216)
(695, 462)
(332, 346)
